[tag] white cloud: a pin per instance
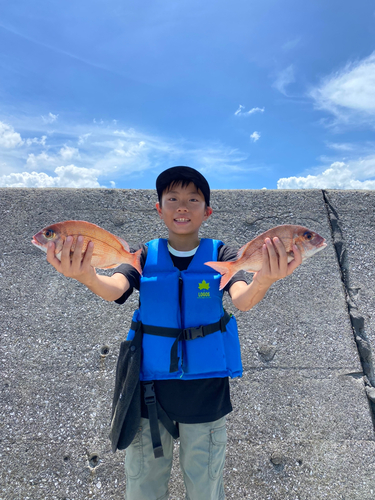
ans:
(67, 153)
(41, 141)
(72, 176)
(45, 160)
(356, 174)
(126, 133)
(349, 94)
(341, 146)
(26, 179)
(255, 110)
(113, 154)
(240, 111)
(291, 44)
(69, 176)
(128, 151)
(8, 137)
(41, 160)
(255, 136)
(284, 78)
(216, 160)
(50, 118)
(83, 138)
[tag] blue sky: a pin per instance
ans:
(267, 94)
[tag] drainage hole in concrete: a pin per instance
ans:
(93, 460)
(104, 351)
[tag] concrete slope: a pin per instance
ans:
(302, 424)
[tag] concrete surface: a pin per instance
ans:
(302, 425)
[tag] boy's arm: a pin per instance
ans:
(274, 267)
(79, 268)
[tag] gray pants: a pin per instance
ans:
(202, 456)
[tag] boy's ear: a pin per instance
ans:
(208, 213)
(158, 208)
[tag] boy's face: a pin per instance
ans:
(183, 209)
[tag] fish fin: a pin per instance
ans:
(226, 269)
(112, 266)
(241, 251)
(136, 262)
(123, 243)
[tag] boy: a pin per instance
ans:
(189, 369)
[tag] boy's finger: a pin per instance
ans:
(65, 252)
(283, 258)
(273, 257)
(279, 246)
(296, 261)
(77, 253)
(266, 259)
(88, 254)
(51, 257)
(50, 251)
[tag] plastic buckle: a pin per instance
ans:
(158, 452)
(193, 333)
(149, 396)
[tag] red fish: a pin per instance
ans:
(249, 257)
(109, 250)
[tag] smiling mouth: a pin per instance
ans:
(182, 220)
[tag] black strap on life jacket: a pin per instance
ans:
(155, 411)
(184, 334)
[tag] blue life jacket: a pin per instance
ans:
(186, 332)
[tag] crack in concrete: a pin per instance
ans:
(356, 319)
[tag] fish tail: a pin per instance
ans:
(226, 269)
(136, 261)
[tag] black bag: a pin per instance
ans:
(126, 405)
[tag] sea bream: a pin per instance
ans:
(109, 250)
(249, 257)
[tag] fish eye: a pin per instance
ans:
(307, 235)
(49, 234)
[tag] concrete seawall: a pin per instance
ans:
(303, 420)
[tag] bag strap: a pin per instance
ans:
(150, 400)
(154, 411)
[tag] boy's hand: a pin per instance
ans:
(275, 262)
(274, 267)
(77, 266)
